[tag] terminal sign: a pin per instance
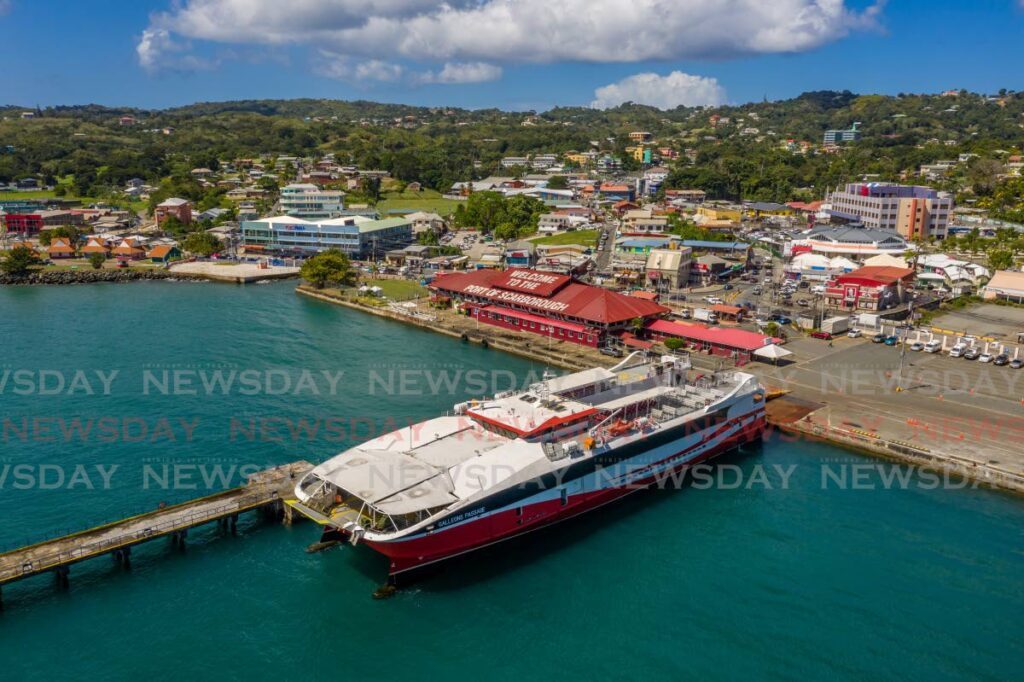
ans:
(532, 282)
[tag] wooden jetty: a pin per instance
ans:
(264, 490)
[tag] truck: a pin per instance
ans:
(868, 321)
(836, 325)
(705, 315)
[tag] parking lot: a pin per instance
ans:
(987, 321)
(970, 410)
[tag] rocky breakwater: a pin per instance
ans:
(91, 276)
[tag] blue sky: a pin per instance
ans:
(522, 54)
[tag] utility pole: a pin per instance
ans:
(906, 329)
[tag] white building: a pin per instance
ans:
(309, 201)
(911, 211)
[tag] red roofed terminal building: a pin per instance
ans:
(545, 303)
(872, 287)
(721, 341)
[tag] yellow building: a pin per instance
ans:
(713, 213)
(577, 158)
(640, 136)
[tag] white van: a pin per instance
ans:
(933, 346)
(957, 350)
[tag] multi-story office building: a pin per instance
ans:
(309, 201)
(912, 211)
(357, 236)
(834, 137)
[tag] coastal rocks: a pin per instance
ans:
(91, 276)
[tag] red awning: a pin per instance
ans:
(527, 317)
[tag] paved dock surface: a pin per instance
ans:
(264, 488)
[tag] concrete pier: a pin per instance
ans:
(264, 490)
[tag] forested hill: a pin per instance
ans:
(438, 146)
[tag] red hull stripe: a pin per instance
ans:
(513, 522)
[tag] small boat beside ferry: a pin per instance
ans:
(499, 468)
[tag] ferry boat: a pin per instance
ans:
(500, 468)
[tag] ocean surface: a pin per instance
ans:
(779, 570)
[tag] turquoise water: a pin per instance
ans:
(770, 582)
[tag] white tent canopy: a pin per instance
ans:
(772, 352)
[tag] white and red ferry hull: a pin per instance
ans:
(481, 526)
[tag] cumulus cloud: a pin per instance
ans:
(157, 50)
(493, 32)
(458, 72)
(665, 92)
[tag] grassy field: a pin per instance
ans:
(427, 200)
(582, 237)
(397, 289)
(37, 194)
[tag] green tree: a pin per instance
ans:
(96, 260)
(1000, 259)
(558, 182)
(330, 266)
(20, 261)
(201, 244)
(674, 344)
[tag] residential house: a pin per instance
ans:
(181, 209)
(423, 221)
(164, 253)
(60, 247)
(95, 245)
(128, 251)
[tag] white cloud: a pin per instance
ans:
(665, 92)
(343, 67)
(515, 31)
(157, 50)
(463, 72)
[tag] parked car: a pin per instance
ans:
(803, 302)
(892, 340)
(1016, 363)
(878, 338)
(985, 357)
(971, 354)
(729, 287)
(1001, 359)
(854, 333)
(821, 335)
(957, 350)
(612, 351)
(916, 346)
(758, 291)
(933, 346)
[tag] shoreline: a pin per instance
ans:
(481, 337)
(112, 276)
(873, 445)
(799, 421)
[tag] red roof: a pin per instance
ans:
(880, 274)
(646, 295)
(161, 251)
(727, 309)
(720, 336)
(583, 301)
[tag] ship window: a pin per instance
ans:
(565, 497)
